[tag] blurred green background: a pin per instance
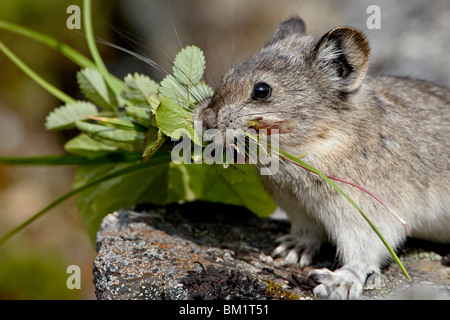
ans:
(413, 40)
(33, 264)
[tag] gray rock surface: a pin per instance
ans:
(209, 251)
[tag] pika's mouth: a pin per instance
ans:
(272, 126)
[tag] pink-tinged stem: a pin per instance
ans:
(407, 229)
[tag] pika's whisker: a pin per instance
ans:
(267, 112)
(147, 60)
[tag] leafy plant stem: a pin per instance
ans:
(33, 75)
(51, 42)
(87, 15)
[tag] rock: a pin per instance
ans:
(217, 252)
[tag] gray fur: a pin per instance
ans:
(388, 134)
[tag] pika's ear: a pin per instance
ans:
(342, 55)
(294, 25)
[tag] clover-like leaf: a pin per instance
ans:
(189, 65)
(128, 140)
(173, 120)
(84, 145)
(176, 91)
(64, 117)
(139, 88)
(95, 89)
(163, 182)
(201, 91)
(140, 115)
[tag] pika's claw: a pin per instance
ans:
(292, 250)
(344, 283)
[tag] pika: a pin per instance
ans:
(390, 135)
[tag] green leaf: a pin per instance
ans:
(187, 97)
(201, 91)
(175, 91)
(184, 87)
(85, 146)
(127, 140)
(119, 123)
(139, 88)
(173, 120)
(64, 117)
(146, 185)
(189, 66)
(95, 89)
(141, 115)
(170, 117)
(236, 185)
(163, 183)
(154, 103)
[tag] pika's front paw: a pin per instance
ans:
(344, 283)
(294, 249)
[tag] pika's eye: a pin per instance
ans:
(261, 91)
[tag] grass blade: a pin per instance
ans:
(33, 75)
(296, 161)
(66, 50)
(100, 65)
(51, 42)
(69, 160)
(155, 160)
(407, 230)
